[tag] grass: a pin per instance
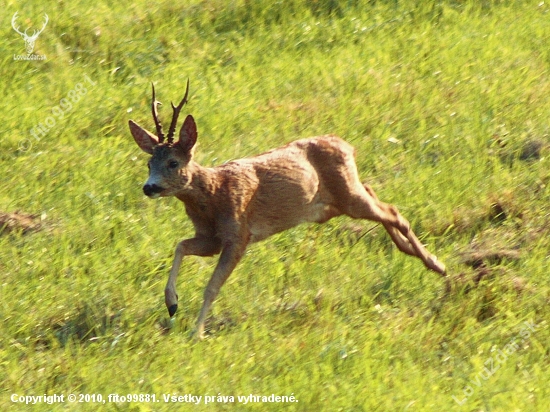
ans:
(442, 101)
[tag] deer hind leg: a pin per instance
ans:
(198, 246)
(400, 241)
(232, 253)
(364, 204)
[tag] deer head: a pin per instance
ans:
(168, 166)
(29, 40)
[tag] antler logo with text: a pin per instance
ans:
(30, 39)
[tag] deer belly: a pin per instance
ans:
(287, 196)
(282, 218)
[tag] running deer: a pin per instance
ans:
(247, 200)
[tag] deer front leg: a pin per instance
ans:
(232, 253)
(198, 246)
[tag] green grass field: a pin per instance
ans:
(447, 104)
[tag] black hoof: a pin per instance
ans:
(172, 310)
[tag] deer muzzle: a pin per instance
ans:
(152, 190)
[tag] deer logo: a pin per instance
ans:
(29, 40)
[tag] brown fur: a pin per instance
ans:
(247, 200)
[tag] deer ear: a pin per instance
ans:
(188, 134)
(144, 139)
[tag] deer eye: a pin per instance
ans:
(172, 164)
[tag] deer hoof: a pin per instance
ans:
(196, 335)
(172, 310)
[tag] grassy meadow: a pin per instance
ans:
(447, 104)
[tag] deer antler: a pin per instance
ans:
(43, 26)
(176, 110)
(13, 19)
(34, 33)
(154, 105)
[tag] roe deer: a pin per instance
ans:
(247, 200)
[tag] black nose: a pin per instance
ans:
(150, 190)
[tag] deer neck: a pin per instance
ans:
(199, 185)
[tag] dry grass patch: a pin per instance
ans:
(19, 222)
